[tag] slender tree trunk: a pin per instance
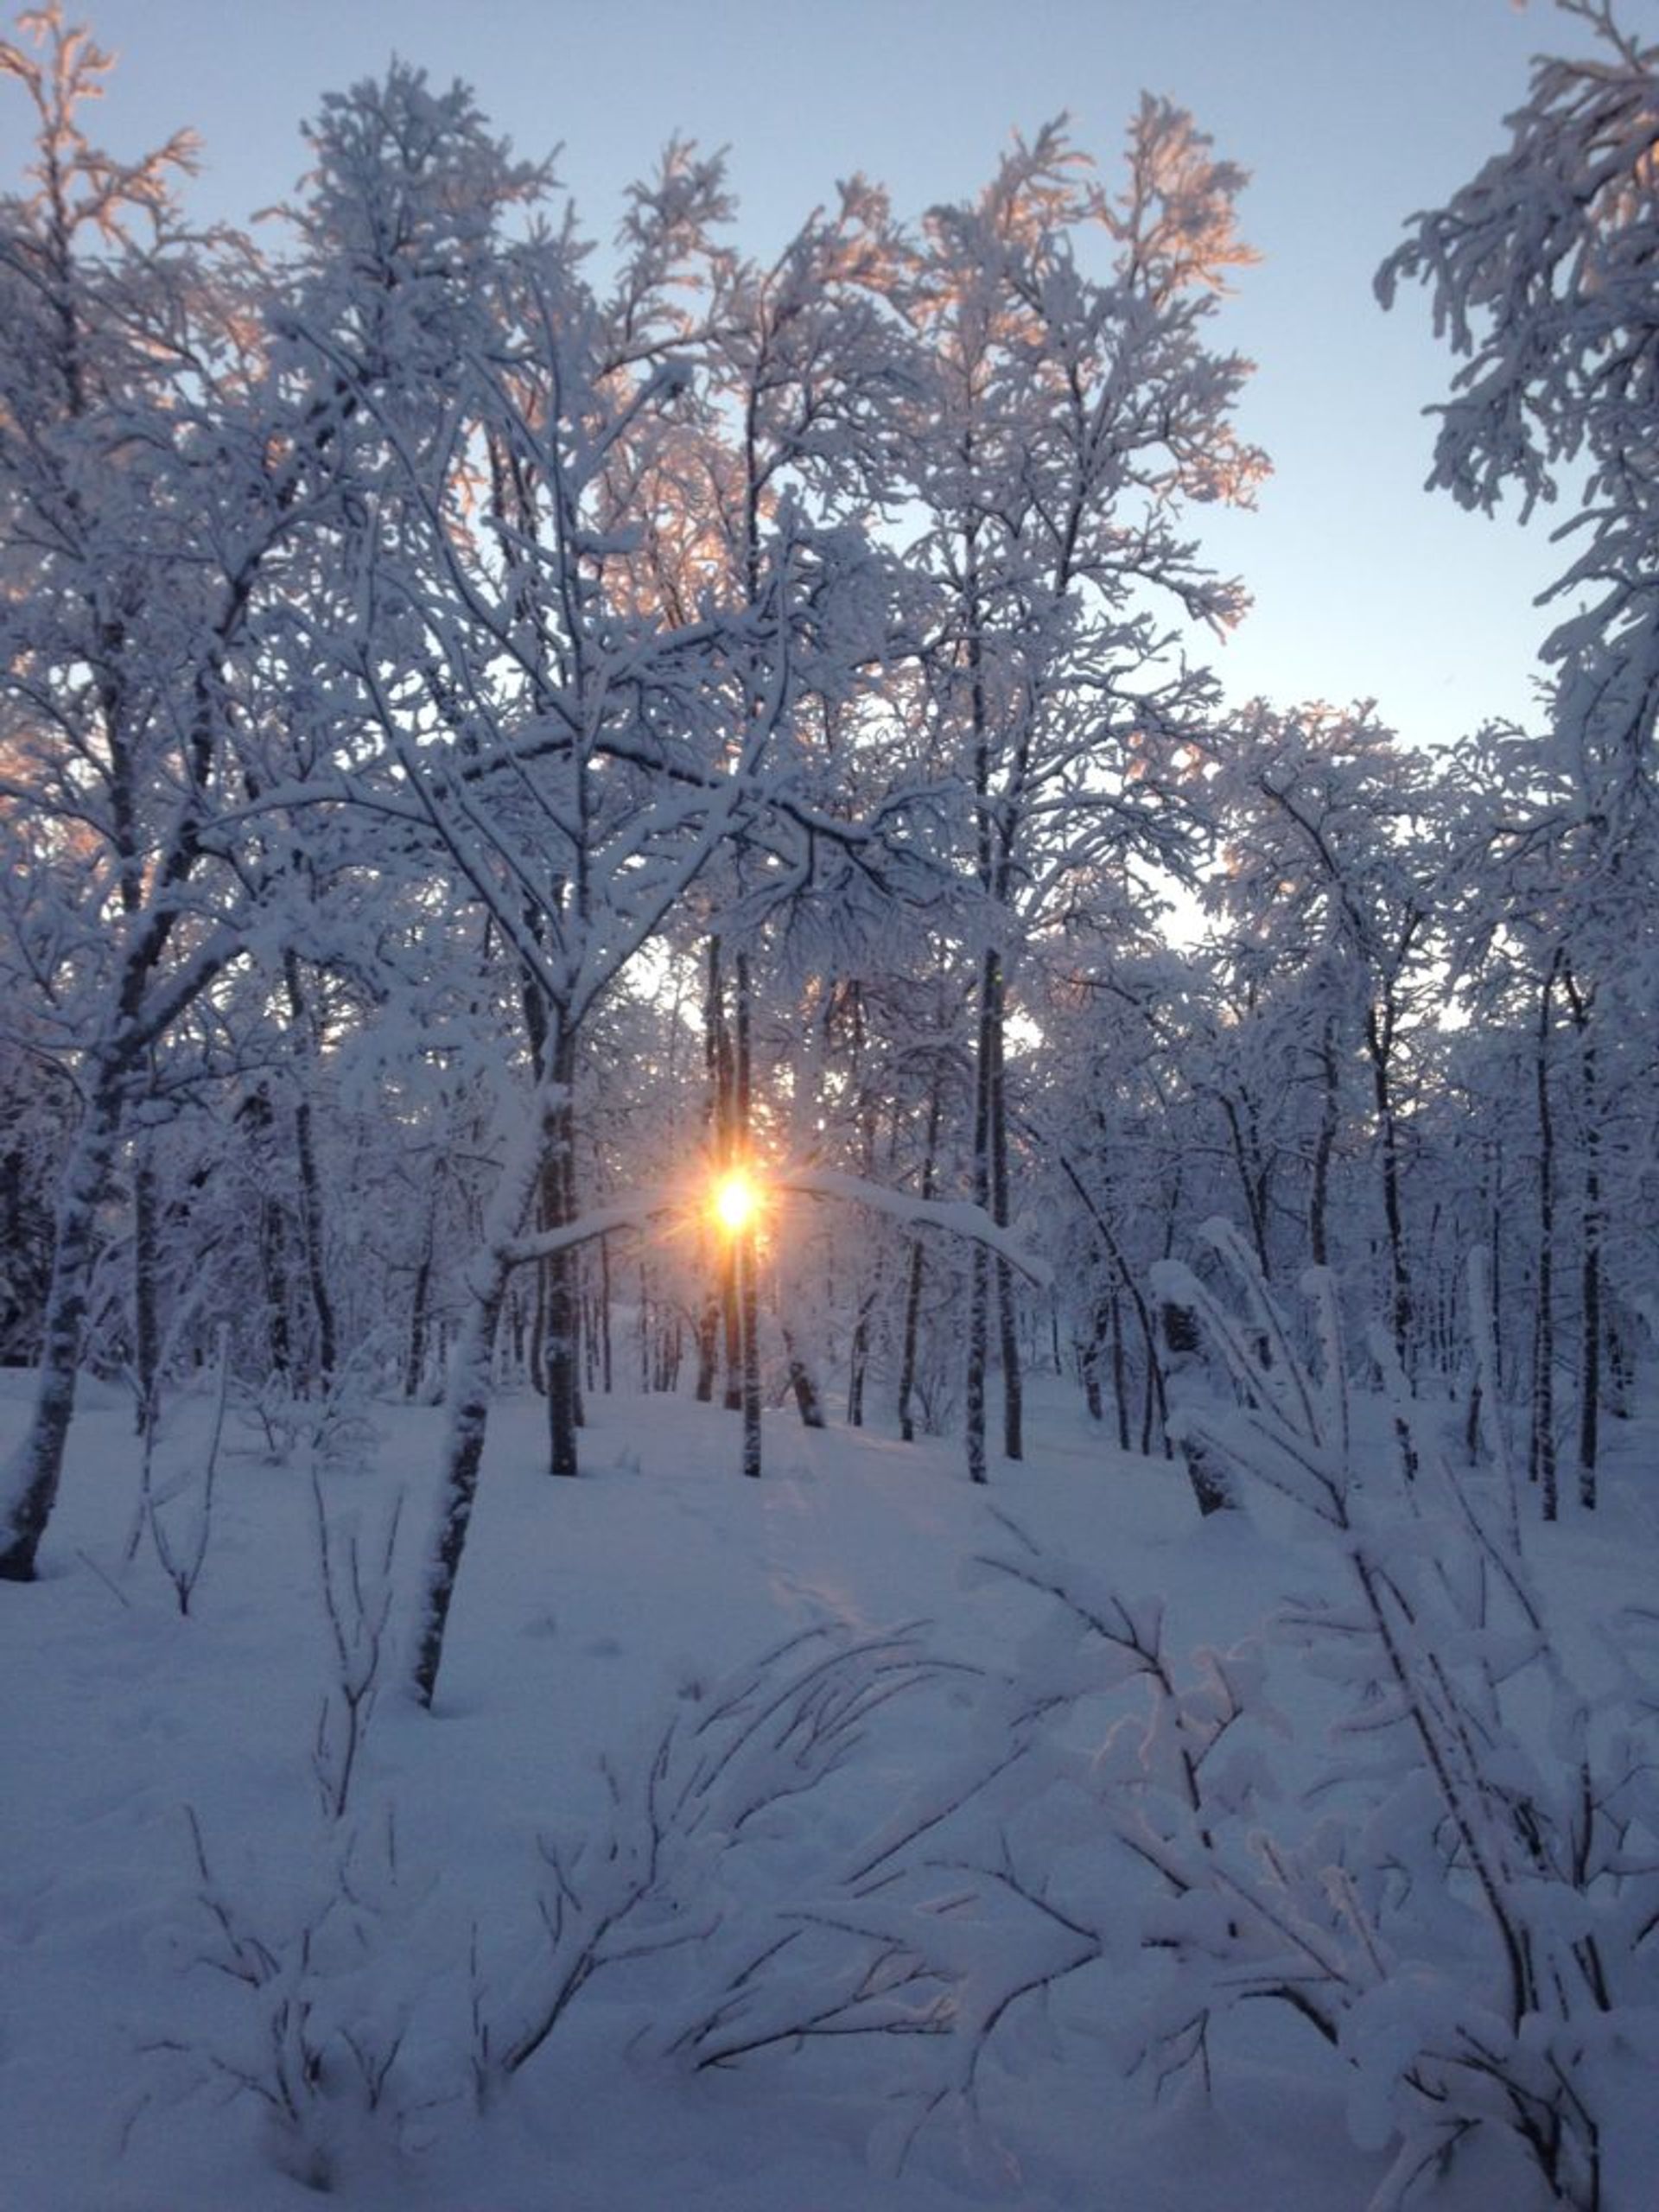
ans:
(866, 1278)
(978, 1351)
(36, 1468)
(907, 1357)
(1580, 1005)
(746, 1242)
(1013, 1395)
(979, 1277)
(1325, 1145)
(562, 1350)
(1621, 1368)
(273, 1271)
(918, 1264)
(722, 1317)
(606, 1356)
(1154, 1411)
(1252, 1179)
(146, 1284)
(731, 1316)
(420, 1302)
(669, 1346)
(469, 1418)
(1541, 1454)
(990, 1179)
(1379, 1045)
(707, 1350)
(311, 1208)
(470, 1387)
(859, 1356)
(809, 1400)
(531, 1358)
(1090, 1352)
(1120, 1375)
(1495, 1240)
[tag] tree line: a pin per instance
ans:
(488, 719)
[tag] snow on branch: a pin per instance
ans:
(958, 1217)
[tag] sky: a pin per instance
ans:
(1348, 114)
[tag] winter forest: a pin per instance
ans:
(627, 863)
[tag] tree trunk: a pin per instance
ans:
(1155, 1406)
(978, 1350)
(1590, 1231)
(1088, 1355)
(708, 1348)
(1325, 1145)
(420, 1300)
(470, 1388)
(917, 1263)
(1120, 1375)
(563, 1317)
(859, 1356)
(809, 1399)
(36, 1468)
(979, 1279)
(273, 1275)
(469, 1418)
(747, 1242)
(311, 1209)
(1379, 1045)
(1252, 1178)
(1541, 1452)
(146, 1285)
(606, 1356)
(719, 1304)
(1013, 1395)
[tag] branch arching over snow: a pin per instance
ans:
(958, 1217)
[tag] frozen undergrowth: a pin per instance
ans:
(892, 1915)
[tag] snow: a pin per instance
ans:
(600, 1663)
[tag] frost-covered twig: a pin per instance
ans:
(713, 1790)
(183, 1555)
(357, 1594)
(315, 2041)
(1466, 1918)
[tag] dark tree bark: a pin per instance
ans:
(717, 1135)
(1541, 1450)
(1380, 1025)
(419, 1308)
(563, 1306)
(1325, 1145)
(809, 1400)
(917, 1263)
(38, 1466)
(747, 1241)
(311, 1209)
(1013, 1395)
(979, 1279)
(146, 1285)
(1590, 1235)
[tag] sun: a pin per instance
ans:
(737, 1201)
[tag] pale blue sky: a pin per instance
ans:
(1348, 113)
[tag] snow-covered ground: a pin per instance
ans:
(165, 1844)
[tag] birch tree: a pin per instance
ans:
(1539, 273)
(1334, 856)
(1071, 419)
(142, 521)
